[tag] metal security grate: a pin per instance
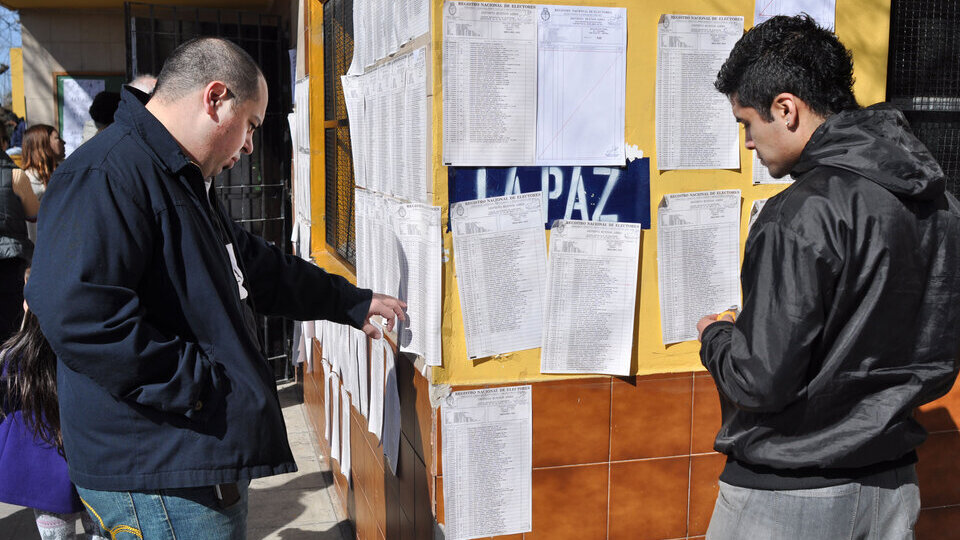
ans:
(940, 131)
(255, 192)
(923, 76)
(339, 183)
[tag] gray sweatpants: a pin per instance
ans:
(883, 507)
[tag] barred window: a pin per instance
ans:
(923, 76)
(339, 179)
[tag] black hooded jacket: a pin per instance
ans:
(851, 311)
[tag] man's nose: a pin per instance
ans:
(247, 145)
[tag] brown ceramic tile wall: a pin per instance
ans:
(938, 470)
(613, 458)
(382, 505)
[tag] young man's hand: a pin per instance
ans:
(389, 308)
(710, 319)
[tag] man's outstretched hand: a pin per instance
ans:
(389, 308)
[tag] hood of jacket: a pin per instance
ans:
(876, 143)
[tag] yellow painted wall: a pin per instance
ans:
(313, 36)
(77, 4)
(863, 26)
(19, 105)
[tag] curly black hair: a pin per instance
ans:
(789, 54)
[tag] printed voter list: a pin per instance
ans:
(500, 253)
(591, 297)
(698, 259)
(487, 462)
(695, 127)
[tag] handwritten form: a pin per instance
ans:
(591, 297)
(501, 255)
(487, 461)
(78, 95)
(698, 258)
(489, 107)
(581, 85)
(695, 126)
(822, 11)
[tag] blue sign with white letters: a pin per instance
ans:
(617, 194)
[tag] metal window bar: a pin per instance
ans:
(923, 76)
(339, 183)
(255, 192)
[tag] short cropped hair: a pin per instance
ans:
(789, 54)
(198, 62)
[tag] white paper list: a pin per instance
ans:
(363, 370)
(399, 251)
(78, 95)
(698, 258)
(326, 400)
(761, 175)
(375, 420)
(487, 462)
(822, 11)
(389, 118)
(581, 85)
(417, 228)
(489, 106)
(381, 27)
(591, 297)
(345, 461)
(695, 127)
(335, 418)
(500, 252)
(755, 212)
(391, 410)
(301, 147)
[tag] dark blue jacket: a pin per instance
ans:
(161, 383)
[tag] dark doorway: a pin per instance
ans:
(255, 192)
(923, 76)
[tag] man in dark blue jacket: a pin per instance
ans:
(851, 302)
(147, 293)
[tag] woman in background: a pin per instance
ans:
(42, 151)
(17, 205)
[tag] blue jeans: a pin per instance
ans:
(884, 506)
(167, 514)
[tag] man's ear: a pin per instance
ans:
(215, 94)
(785, 109)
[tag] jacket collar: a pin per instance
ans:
(133, 114)
(6, 162)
